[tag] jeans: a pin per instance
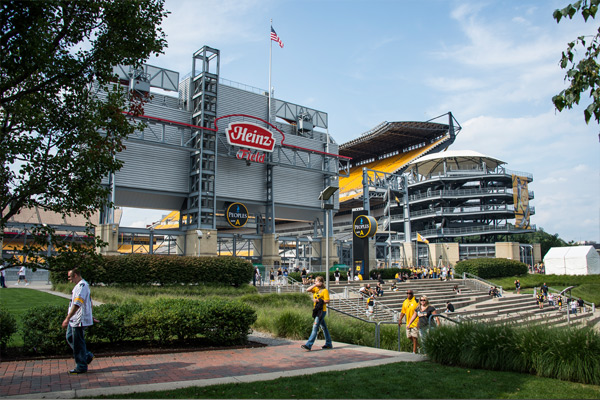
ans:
(76, 339)
(315, 330)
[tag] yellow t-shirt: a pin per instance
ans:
(320, 294)
(409, 307)
(360, 277)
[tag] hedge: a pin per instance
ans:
(142, 269)
(565, 353)
(8, 327)
(216, 321)
(487, 268)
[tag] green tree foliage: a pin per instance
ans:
(58, 139)
(545, 239)
(581, 70)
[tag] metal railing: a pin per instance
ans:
(480, 283)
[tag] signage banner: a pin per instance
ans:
(252, 136)
(521, 202)
(364, 226)
(237, 215)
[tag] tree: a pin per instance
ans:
(58, 138)
(583, 72)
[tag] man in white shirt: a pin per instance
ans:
(78, 319)
(22, 277)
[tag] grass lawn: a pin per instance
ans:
(400, 380)
(587, 286)
(19, 300)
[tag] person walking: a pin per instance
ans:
(22, 276)
(518, 286)
(423, 312)
(320, 301)
(2, 279)
(78, 319)
(409, 307)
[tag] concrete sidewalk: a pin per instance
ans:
(128, 374)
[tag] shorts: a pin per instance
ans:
(21, 277)
(412, 332)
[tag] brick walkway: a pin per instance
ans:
(111, 375)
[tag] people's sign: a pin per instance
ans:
(364, 226)
(237, 215)
(251, 137)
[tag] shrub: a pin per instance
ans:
(142, 269)
(487, 268)
(293, 324)
(565, 353)
(8, 327)
(42, 330)
(114, 322)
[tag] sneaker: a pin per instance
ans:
(76, 372)
(305, 347)
(27, 284)
(90, 359)
(17, 284)
(327, 347)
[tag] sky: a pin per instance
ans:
(493, 64)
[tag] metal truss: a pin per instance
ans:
(248, 247)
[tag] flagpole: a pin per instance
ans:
(270, 62)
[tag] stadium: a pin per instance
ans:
(241, 173)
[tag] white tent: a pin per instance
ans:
(577, 260)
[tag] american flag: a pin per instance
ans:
(275, 38)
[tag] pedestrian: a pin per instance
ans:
(540, 299)
(545, 290)
(423, 313)
(449, 306)
(22, 276)
(320, 301)
(336, 274)
(271, 277)
(2, 278)
(409, 307)
(370, 304)
(518, 286)
(303, 274)
(560, 301)
(285, 275)
(78, 319)
(581, 305)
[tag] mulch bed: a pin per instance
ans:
(127, 349)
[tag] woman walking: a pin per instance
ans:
(320, 301)
(424, 311)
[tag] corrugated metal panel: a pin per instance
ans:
(237, 101)
(237, 180)
(154, 167)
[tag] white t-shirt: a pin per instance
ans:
(22, 271)
(81, 297)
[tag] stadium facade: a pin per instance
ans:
(242, 173)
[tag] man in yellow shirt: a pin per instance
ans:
(320, 301)
(409, 307)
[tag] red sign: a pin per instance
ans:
(247, 134)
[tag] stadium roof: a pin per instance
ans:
(391, 136)
(433, 163)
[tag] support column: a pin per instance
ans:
(194, 244)
(109, 233)
(270, 250)
(333, 253)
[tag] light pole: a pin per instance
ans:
(324, 196)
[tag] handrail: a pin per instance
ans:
(377, 326)
(592, 305)
(478, 279)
